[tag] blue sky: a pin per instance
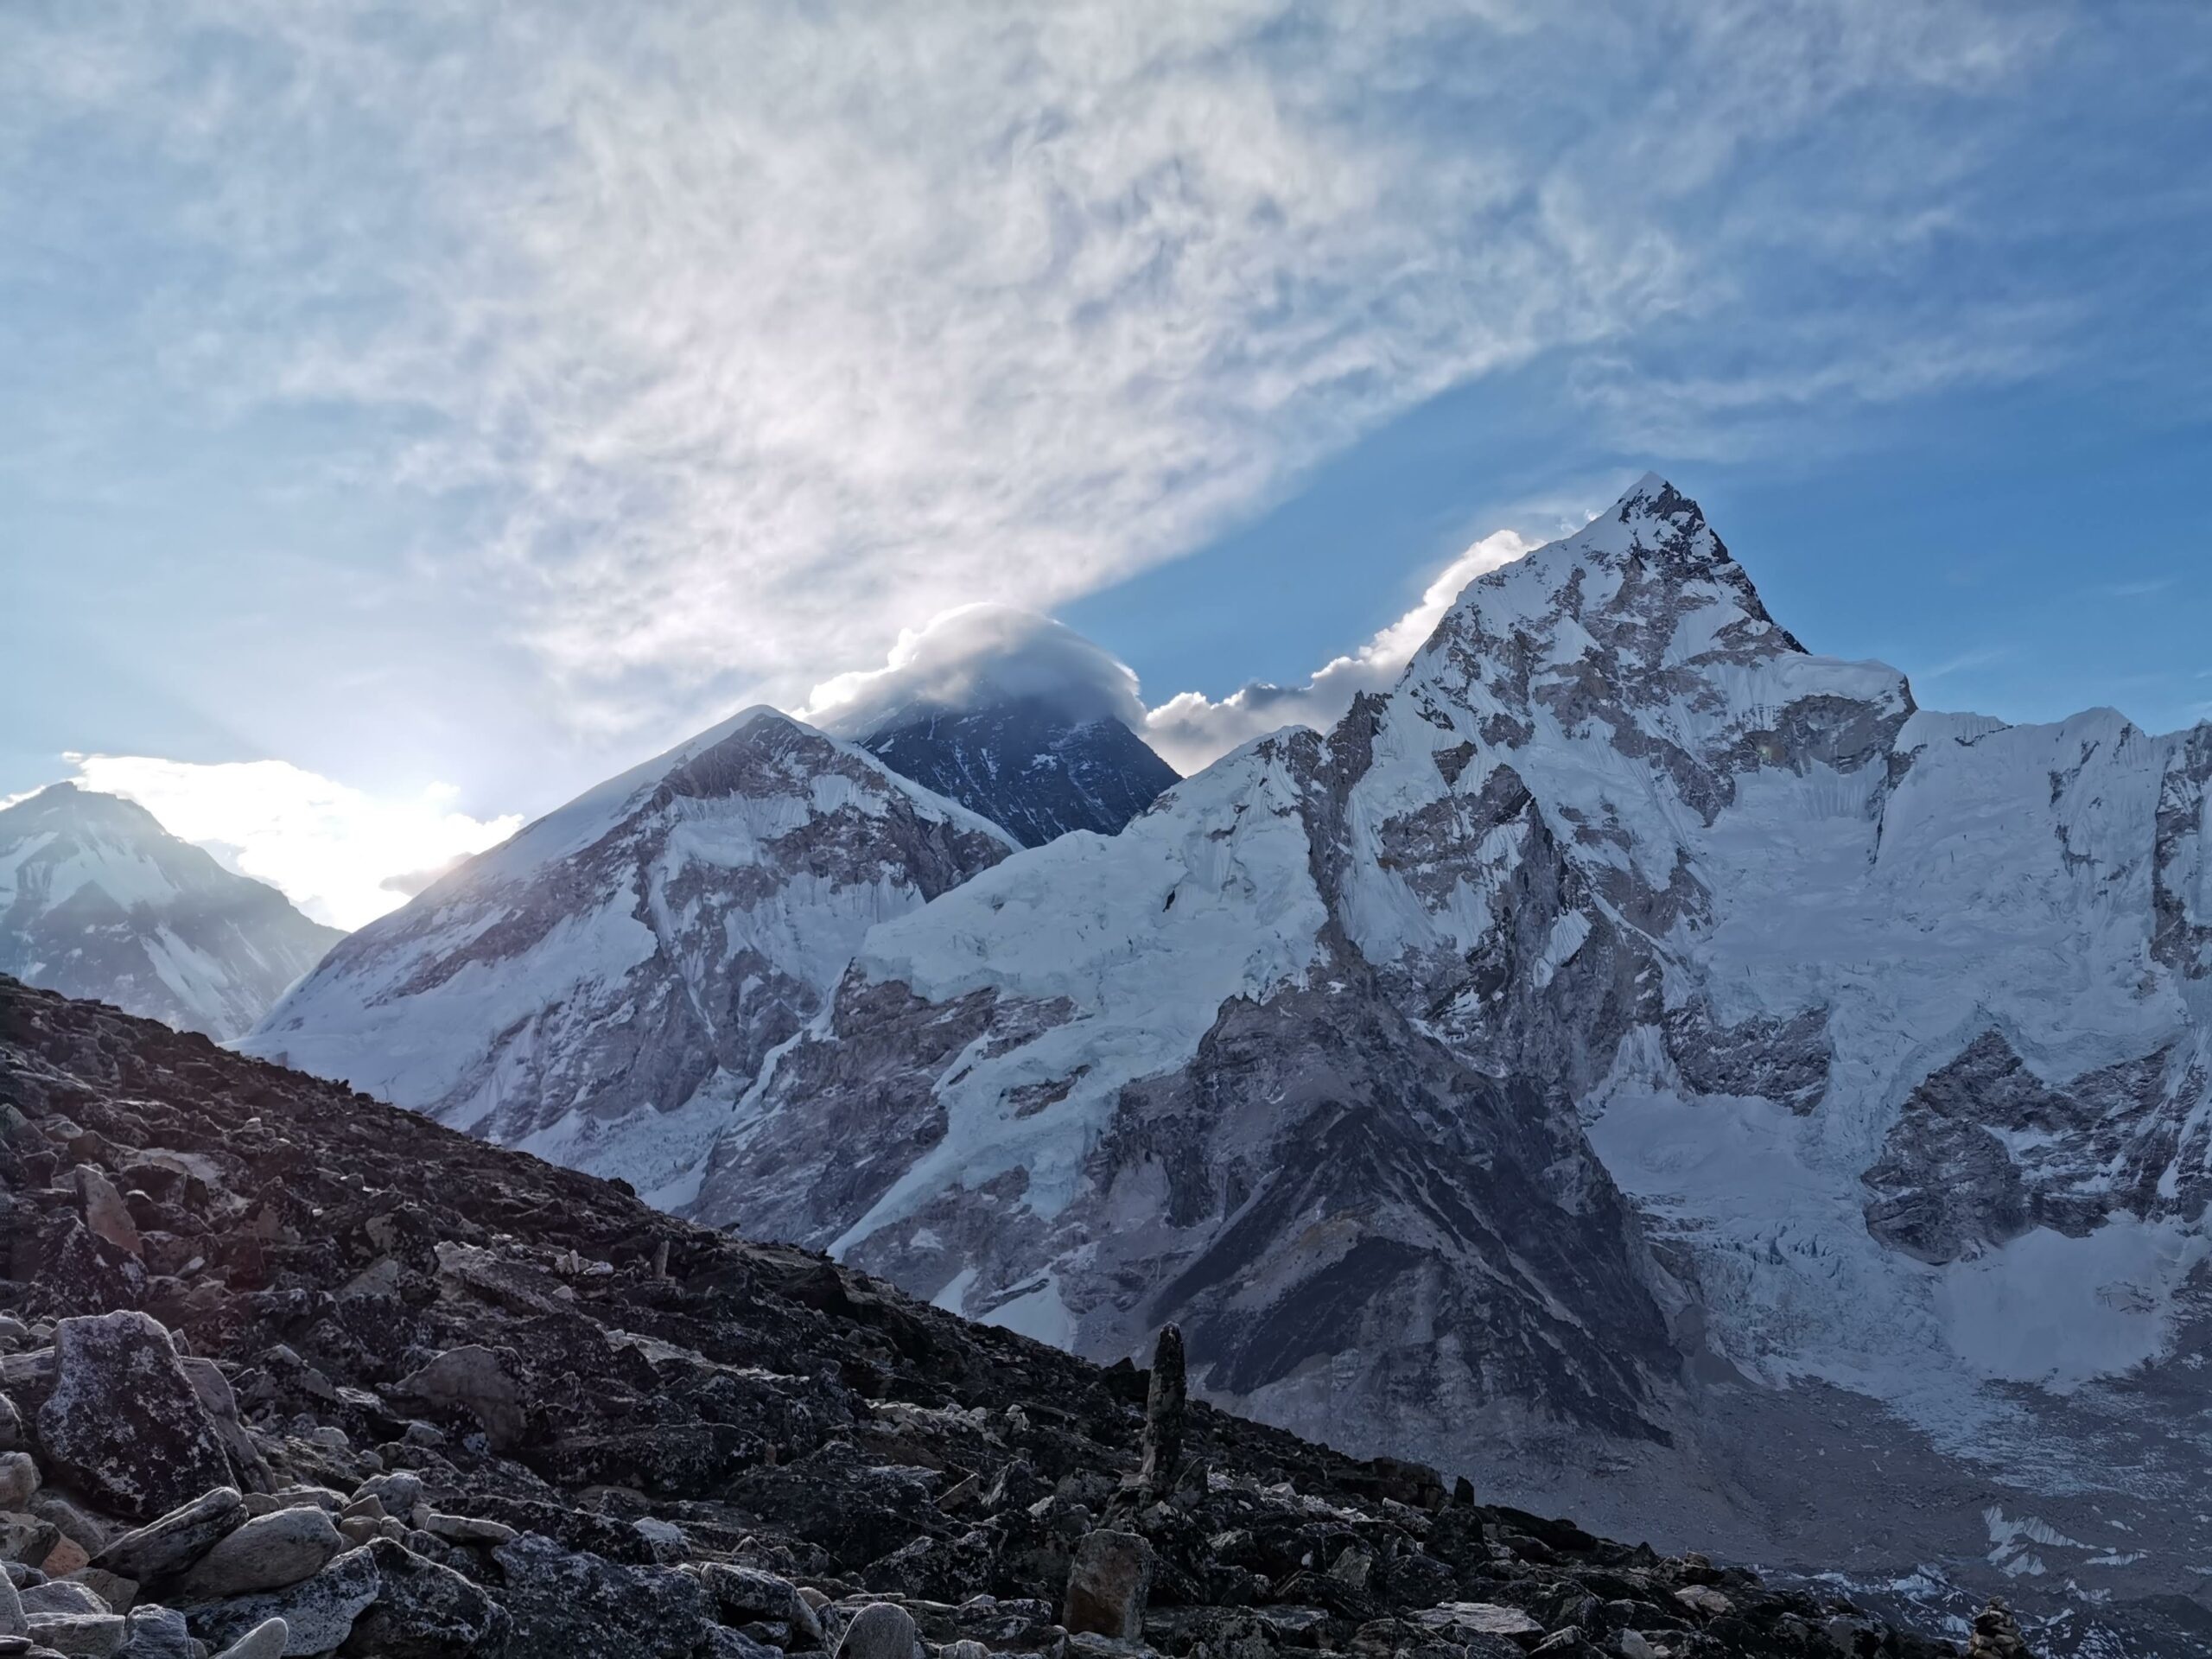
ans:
(443, 406)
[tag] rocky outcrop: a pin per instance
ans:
(710, 1447)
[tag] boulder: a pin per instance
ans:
(119, 1593)
(465, 1529)
(11, 1608)
(480, 1381)
(742, 1594)
(213, 1390)
(424, 1611)
(167, 1547)
(268, 1552)
(26, 1538)
(565, 1601)
(269, 1640)
(882, 1630)
(1109, 1581)
(93, 1635)
(106, 1216)
(318, 1612)
(63, 1596)
(124, 1423)
(157, 1633)
(75, 1520)
(18, 1480)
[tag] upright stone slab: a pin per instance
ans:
(124, 1423)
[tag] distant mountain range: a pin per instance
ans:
(1659, 1071)
(98, 900)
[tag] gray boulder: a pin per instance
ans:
(63, 1596)
(268, 1552)
(564, 1601)
(92, 1635)
(269, 1640)
(318, 1612)
(1109, 1583)
(480, 1381)
(167, 1547)
(157, 1633)
(742, 1594)
(882, 1630)
(124, 1423)
(425, 1610)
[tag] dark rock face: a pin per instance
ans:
(719, 1448)
(97, 900)
(1027, 768)
(1949, 1183)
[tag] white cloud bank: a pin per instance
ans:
(342, 855)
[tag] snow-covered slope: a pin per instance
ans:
(97, 900)
(1027, 766)
(1630, 1009)
(598, 988)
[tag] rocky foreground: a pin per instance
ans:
(289, 1372)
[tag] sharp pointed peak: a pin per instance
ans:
(1654, 496)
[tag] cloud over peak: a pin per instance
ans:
(974, 656)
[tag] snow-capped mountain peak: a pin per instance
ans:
(1630, 998)
(600, 988)
(97, 900)
(1028, 764)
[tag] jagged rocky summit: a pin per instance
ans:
(285, 1371)
(603, 987)
(1029, 767)
(97, 900)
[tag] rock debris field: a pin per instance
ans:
(289, 1372)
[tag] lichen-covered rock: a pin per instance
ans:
(742, 1594)
(425, 1610)
(564, 1601)
(123, 1422)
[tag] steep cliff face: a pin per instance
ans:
(97, 900)
(601, 988)
(1629, 1005)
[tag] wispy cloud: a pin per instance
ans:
(739, 337)
(1191, 729)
